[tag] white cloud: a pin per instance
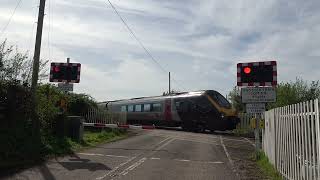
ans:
(200, 42)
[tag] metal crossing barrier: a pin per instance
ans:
(101, 116)
(245, 120)
(291, 140)
(124, 126)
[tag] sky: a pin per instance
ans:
(198, 41)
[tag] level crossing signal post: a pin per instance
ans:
(258, 81)
(65, 74)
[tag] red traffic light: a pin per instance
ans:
(56, 69)
(247, 70)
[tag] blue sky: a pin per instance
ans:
(199, 41)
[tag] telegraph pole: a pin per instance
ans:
(35, 72)
(169, 83)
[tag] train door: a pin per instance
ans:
(184, 110)
(167, 110)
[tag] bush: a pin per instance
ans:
(16, 140)
(17, 145)
(79, 104)
(295, 92)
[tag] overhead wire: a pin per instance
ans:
(10, 19)
(140, 43)
(145, 49)
(137, 39)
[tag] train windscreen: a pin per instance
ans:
(222, 101)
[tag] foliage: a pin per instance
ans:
(287, 93)
(79, 104)
(94, 138)
(243, 132)
(16, 140)
(17, 66)
(295, 92)
(266, 166)
(17, 143)
(235, 98)
(61, 146)
(49, 98)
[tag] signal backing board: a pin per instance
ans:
(65, 72)
(257, 73)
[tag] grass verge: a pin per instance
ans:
(63, 146)
(54, 147)
(243, 132)
(266, 167)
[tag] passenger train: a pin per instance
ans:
(193, 111)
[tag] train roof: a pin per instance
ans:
(174, 95)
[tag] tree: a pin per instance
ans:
(235, 98)
(295, 92)
(17, 66)
(287, 93)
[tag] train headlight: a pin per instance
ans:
(223, 115)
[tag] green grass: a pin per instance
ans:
(267, 167)
(53, 146)
(242, 132)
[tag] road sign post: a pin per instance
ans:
(66, 87)
(256, 108)
(258, 95)
(262, 76)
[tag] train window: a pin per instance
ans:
(178, 105)
(222, 101)
(123, 108)
(130, 108)
(138, 108)
(203, 104)
(146, 107)
(156, 107)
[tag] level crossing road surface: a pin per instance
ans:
(148, 155)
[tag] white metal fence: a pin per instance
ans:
(245, 120)
(105, 117)
(291, 140)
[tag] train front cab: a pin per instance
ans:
(206, 112)
(227, 118)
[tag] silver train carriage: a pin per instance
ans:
(193, 111)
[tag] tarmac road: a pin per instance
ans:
(150, 155)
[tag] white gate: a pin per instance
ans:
(291, 140)
(101, 116)
(245, 120)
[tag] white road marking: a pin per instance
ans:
(204, 162)
(165, 144)
(163, 141)
(250, 142)
(116, 168)
(153, 158)
(183, 160)
(215, 162)
(106, 155)
(226, 151)
(133, 166)
(136, 164)
(228, 156)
